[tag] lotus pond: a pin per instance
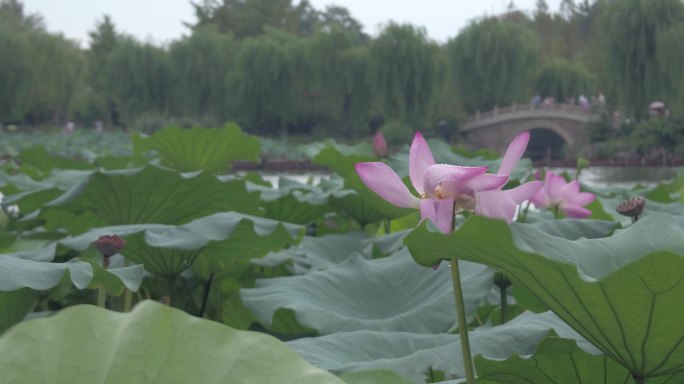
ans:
(161, 265)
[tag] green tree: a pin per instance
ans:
(407, 72)
(138, 79)
(267, 82)
(245, 18)
(201, 65)
(342, 74)
(492, 62)
(637, 40)
(564, 80)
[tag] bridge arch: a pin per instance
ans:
(562, 122)
(550, 125)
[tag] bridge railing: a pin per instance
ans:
(572, 108)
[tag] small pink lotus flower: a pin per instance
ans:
(502, 204)
(380, 145)
(443, 189)
(559, 194)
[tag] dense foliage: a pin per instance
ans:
(341, 278)
(284, 67)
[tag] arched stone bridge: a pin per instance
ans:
(553, 127)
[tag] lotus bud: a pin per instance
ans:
(632, 207)
(108, 246)
(380, 145)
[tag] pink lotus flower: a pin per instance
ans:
(380, 145)
(502, 204)
(443, 189)
(559, 194)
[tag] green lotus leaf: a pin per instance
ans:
(116, 280)
(339, 162)
(120, 162)
(15, 305)
(151, 344)
(413, 354)
(651, 206)
(316, 253)
(556, 361)
(31, 269)
(559, 361)
(384, 245)
(574, 229)
(16, 273)
(167, 250)
(194, 149)
(388, 294)
(39, 158)
(377, 376)
(313, 149)
(622, 293)
(293, 202)
(154, 195)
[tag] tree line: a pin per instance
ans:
(280, 68)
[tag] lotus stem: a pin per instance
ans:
(639, 380)
(101, 297)
(388, 226)
(502, 282)
(205, 297)
(101, 293)
(462, 323)
(128, 295)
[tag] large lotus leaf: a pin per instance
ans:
(316, 253)
(39, 158)
(556, 361)
(155, 195)
(57, 178)
(293, 202)
(622, 293)
(444, 154)
(574, 229)
(389, 294)
(384, 245)
(30, 270)
(313, 149)
(151, 344)
(378, 376)
(339, 162)
(560, 361)
(651, 206)
(168, 249)
(15, 305)
(413, 354)
(194, 149)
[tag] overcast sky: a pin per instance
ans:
(161, 21)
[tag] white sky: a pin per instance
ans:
(161, 21)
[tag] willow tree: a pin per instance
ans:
(267, 81)
(138, 79)
(670, 57)
(341, 64)
(407, 72)
(14, 72)
(637, 40)
(38, 71)
(564, 80)
(492, 62)
(200, 66)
